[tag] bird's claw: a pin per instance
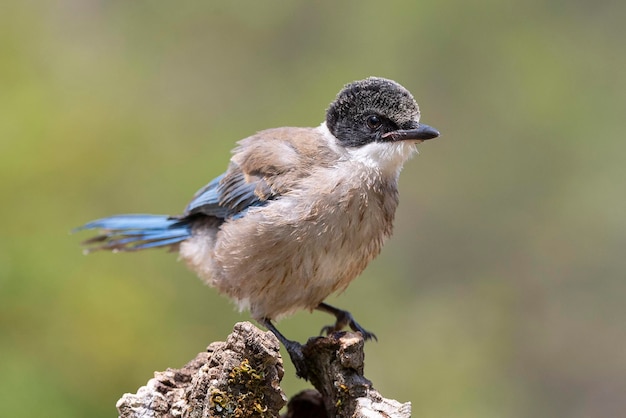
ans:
(344, 318)
(297, 358)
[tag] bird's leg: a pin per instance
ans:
(344, 318)
(294, 348)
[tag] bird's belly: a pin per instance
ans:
(296, 263)
(301, 276)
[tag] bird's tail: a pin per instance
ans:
(136, 232)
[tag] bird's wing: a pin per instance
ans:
(228, 195)
(263, 167)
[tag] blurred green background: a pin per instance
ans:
(502, 292)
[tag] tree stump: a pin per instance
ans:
(241, 378)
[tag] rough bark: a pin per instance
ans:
(241, 378)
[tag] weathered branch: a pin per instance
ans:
(241, 378)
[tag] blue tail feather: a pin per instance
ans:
(136, 232)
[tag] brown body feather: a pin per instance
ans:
(333, 212)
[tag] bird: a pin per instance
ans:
(298, 213)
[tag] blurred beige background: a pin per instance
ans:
(502, 291)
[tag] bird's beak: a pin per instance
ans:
(421, 133)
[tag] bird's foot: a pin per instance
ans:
(344, 319)
(294, 349)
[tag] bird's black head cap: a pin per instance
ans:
(375, 110)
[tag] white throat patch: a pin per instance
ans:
(388, 157)
(385, 157)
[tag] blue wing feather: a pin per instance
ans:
(228, 196)
(208, 198)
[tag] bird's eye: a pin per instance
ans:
(374, 121)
